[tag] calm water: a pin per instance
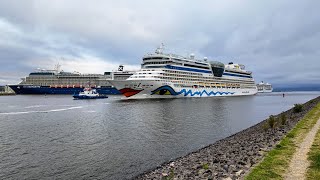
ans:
(59, 138)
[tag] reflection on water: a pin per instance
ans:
(56, 137)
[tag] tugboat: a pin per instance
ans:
(89, 93)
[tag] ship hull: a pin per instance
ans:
(30, 89)
(135, 89)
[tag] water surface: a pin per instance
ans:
(58, 137)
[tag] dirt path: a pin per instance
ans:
(299, 162)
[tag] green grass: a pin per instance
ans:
(205, 166)
(313, 171)
(276, 161)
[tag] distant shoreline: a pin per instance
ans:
(295, 89)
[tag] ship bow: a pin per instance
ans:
(126, 91)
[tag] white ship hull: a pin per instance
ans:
(265, 91)
(142, 89)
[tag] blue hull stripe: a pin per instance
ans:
(186, 69)
(19, 89)
(202, 71)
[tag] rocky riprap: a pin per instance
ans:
(232, 157)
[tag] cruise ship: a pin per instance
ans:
(171, 76)
(57, 81)
(264, 87)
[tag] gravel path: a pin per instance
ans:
(299, 162)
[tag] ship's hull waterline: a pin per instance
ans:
(144, 89)
(30, 89)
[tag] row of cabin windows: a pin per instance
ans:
(165, 58)
(191, 75)
(195, 79)
(173, 63)
(253, 86)
(185, 79)
(148, 70)
(199, 81)
(177, 73)
(199, 73)
(237, 72)
(170, 62)
(154, 67)
(149, 58)
(154, 62)
(195, 66)
(195, 74)
(216, 85)
(144, 77)
(182, 72)
(196, 86)
(177, 77)
(180, 77)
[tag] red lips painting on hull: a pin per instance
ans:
(129, 92)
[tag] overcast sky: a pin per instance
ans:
(278, 40)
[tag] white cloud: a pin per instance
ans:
(85, 64)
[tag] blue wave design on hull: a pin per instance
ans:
(186, 92)
(211, 93)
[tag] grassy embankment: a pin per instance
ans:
(276, 161)
(313, 172)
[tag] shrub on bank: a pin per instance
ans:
(297, 108)
(272, 121)
(283, 119)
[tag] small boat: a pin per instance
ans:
(89, 93)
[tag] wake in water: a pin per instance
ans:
(47, 111)
(37, 106)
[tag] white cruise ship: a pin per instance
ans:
(264, 87)
(172, 76)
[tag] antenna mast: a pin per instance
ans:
(160, 49)
(57, 68)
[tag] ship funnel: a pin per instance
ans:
(120, 68)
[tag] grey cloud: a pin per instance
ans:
(273, 38)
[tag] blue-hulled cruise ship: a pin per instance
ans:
(170, 76)
(59, 82)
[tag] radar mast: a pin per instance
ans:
(160, 49)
